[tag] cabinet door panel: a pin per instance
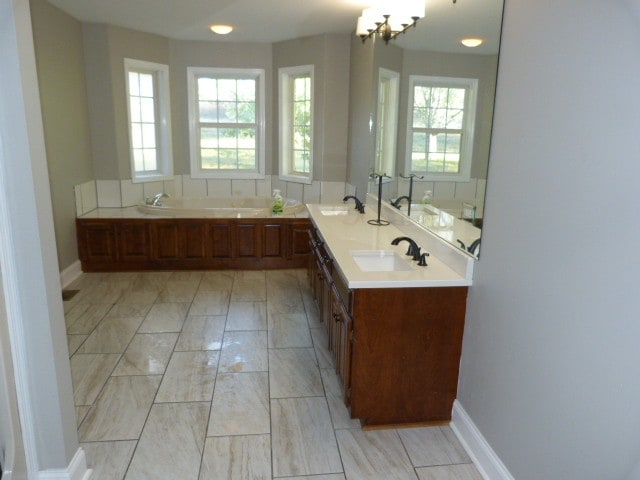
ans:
(133, 241)
(166, 238)
(96, 242)
(247, 240)
(193, 240)
(220, 239)
(300, 239)
(273, 240)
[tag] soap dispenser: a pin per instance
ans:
(278, 203)
(426, 199)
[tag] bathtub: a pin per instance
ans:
(224, 207)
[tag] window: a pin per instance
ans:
(296, 123)
(441, 122)
(149, 120)
(226, 122)
(386, 127)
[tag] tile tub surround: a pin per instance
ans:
(124, 193)
(225, 406)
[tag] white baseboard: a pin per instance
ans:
(484, 458)
(77, 470)
(70, 273)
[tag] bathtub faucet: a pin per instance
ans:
(156, 199)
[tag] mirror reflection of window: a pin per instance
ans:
(441, 119)
(387, 121)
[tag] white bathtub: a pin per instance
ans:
(225, 207)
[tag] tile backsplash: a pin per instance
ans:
(124, 193)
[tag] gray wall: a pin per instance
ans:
(106, 47)
(550, 361)
(59, 57)
(329, 54)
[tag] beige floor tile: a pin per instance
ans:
(374, 455)
(164, 317)
(214, 302)
(220, 280)
(81, 412)
(249, 286)
(240, 404)
(102, 294)
(201, 333)
(303, 440)
(244, 352)
(121, 409)
(335, 398)
(109, 460)
(74, 342)
(139, 295)
(175, 291)
(449, 472)
(281, 280)
(320, 345)
(171, 428)
(237, 458)
(311, 309)
(186, 276)
(129, 310)
(331, 476)
(294, 373)
(285, 303)
(429, 446)
(289, 330)
(147, 354)
(112, 335)
(83, 319)
(247, 316)
(89, 372)
(189, 377)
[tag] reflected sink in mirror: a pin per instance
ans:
(380, 261)
(337, 210)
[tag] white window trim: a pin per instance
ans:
(163, 117)
(196, 169)
(284, 94)
(390, 121)
(466, 153)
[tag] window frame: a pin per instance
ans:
(286, 76)
(193, 73)
(386, 138)
(164, 150)
(468, 128)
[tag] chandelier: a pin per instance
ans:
(388, 19)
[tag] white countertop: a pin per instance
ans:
(135, 212)
(344, 234)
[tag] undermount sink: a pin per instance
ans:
(339, 210)
(380, 261)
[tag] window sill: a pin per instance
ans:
(296, 179)
(151, 178)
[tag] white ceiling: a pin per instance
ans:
(268, 21)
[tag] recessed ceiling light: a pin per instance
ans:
(221, 29)
(471, 42)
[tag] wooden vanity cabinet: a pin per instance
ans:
(396, 350)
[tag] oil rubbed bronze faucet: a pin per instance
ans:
(359, 205)
(413, 250)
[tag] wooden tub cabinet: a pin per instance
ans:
(119, 244)
(396, 350)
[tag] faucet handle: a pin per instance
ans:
(423, 260)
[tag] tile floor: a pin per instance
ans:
(225, 375)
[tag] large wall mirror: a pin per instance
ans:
(444, 110)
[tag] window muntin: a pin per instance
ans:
(226, 113)
(296, 123)
(441, 124)
(147, 87)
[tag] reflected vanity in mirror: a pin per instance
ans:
(444, 108)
